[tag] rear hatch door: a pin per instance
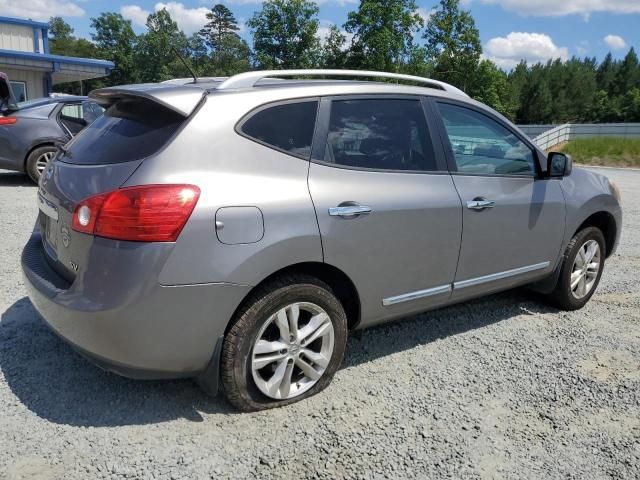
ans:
(98, 160)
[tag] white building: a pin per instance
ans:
(25, 58)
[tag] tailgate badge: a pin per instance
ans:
(66, 239)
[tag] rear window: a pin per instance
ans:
(287, 127)
(129, 130)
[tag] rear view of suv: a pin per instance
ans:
(236, 230)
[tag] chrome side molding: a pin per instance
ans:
(406, 297)
(500, 275)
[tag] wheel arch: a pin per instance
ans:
(606, 223)
(342, 286)
(48, 143)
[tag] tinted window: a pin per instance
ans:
(128, 130)
(481, 145)
(383, 134)
(288, 127)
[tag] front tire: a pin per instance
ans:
(582, 266)
(38, 160)
(285, 344)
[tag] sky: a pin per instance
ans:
(510, 30)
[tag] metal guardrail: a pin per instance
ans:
(547, 136)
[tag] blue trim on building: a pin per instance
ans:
(45, 40)
(26, 23)
(87, 62)
(36, 39)
(47, 84)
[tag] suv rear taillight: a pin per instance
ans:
(149, 213)
(7, 120)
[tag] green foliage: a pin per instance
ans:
(334, 54)
(624, 152)
(156, 53)
(383, 33)
(59, 29)
(116, 41)
(453, 44)
(285, 34)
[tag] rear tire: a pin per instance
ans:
(38, 160)
(579, 279)
(285, 344)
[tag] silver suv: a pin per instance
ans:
(236, 230)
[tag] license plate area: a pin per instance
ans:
(49, 225)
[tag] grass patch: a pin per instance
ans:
(607, 151)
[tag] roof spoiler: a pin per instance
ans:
(181, 99)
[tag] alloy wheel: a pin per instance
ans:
(292, 350)
(43, 160)
(585, 269)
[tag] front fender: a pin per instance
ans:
(588, 193)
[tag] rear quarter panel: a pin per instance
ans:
(233, 171)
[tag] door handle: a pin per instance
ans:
(349, 211)
(480, 204)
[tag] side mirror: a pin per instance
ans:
(559, 164)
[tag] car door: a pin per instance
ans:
(513, 218)
(387, 209)
(72, 118)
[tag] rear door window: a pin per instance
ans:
(128, 130)
(287, 127)
(380, 134)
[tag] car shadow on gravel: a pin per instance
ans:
(14, 179)
(57, 384)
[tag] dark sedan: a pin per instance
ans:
(30, 131)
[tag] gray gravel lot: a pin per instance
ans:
(502, 387)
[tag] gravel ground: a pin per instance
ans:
(502, 387)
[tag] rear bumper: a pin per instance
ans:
(124, 321)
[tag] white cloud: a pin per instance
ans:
(39, 9)
(425, 14)
(507, 51)
(135, 13)
(189, 20)
(615, 42)
(583, 47)
(554, 8)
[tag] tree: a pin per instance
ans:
(116, 42)
(383, 33)
(221, 24)
(229, 53)
(59, 29)
(490, 86)
(628, 75)
(453, 44)
(156, 54)
(285, 34)
(535, 98)
(333, 53)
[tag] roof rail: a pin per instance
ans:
(250, 79)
